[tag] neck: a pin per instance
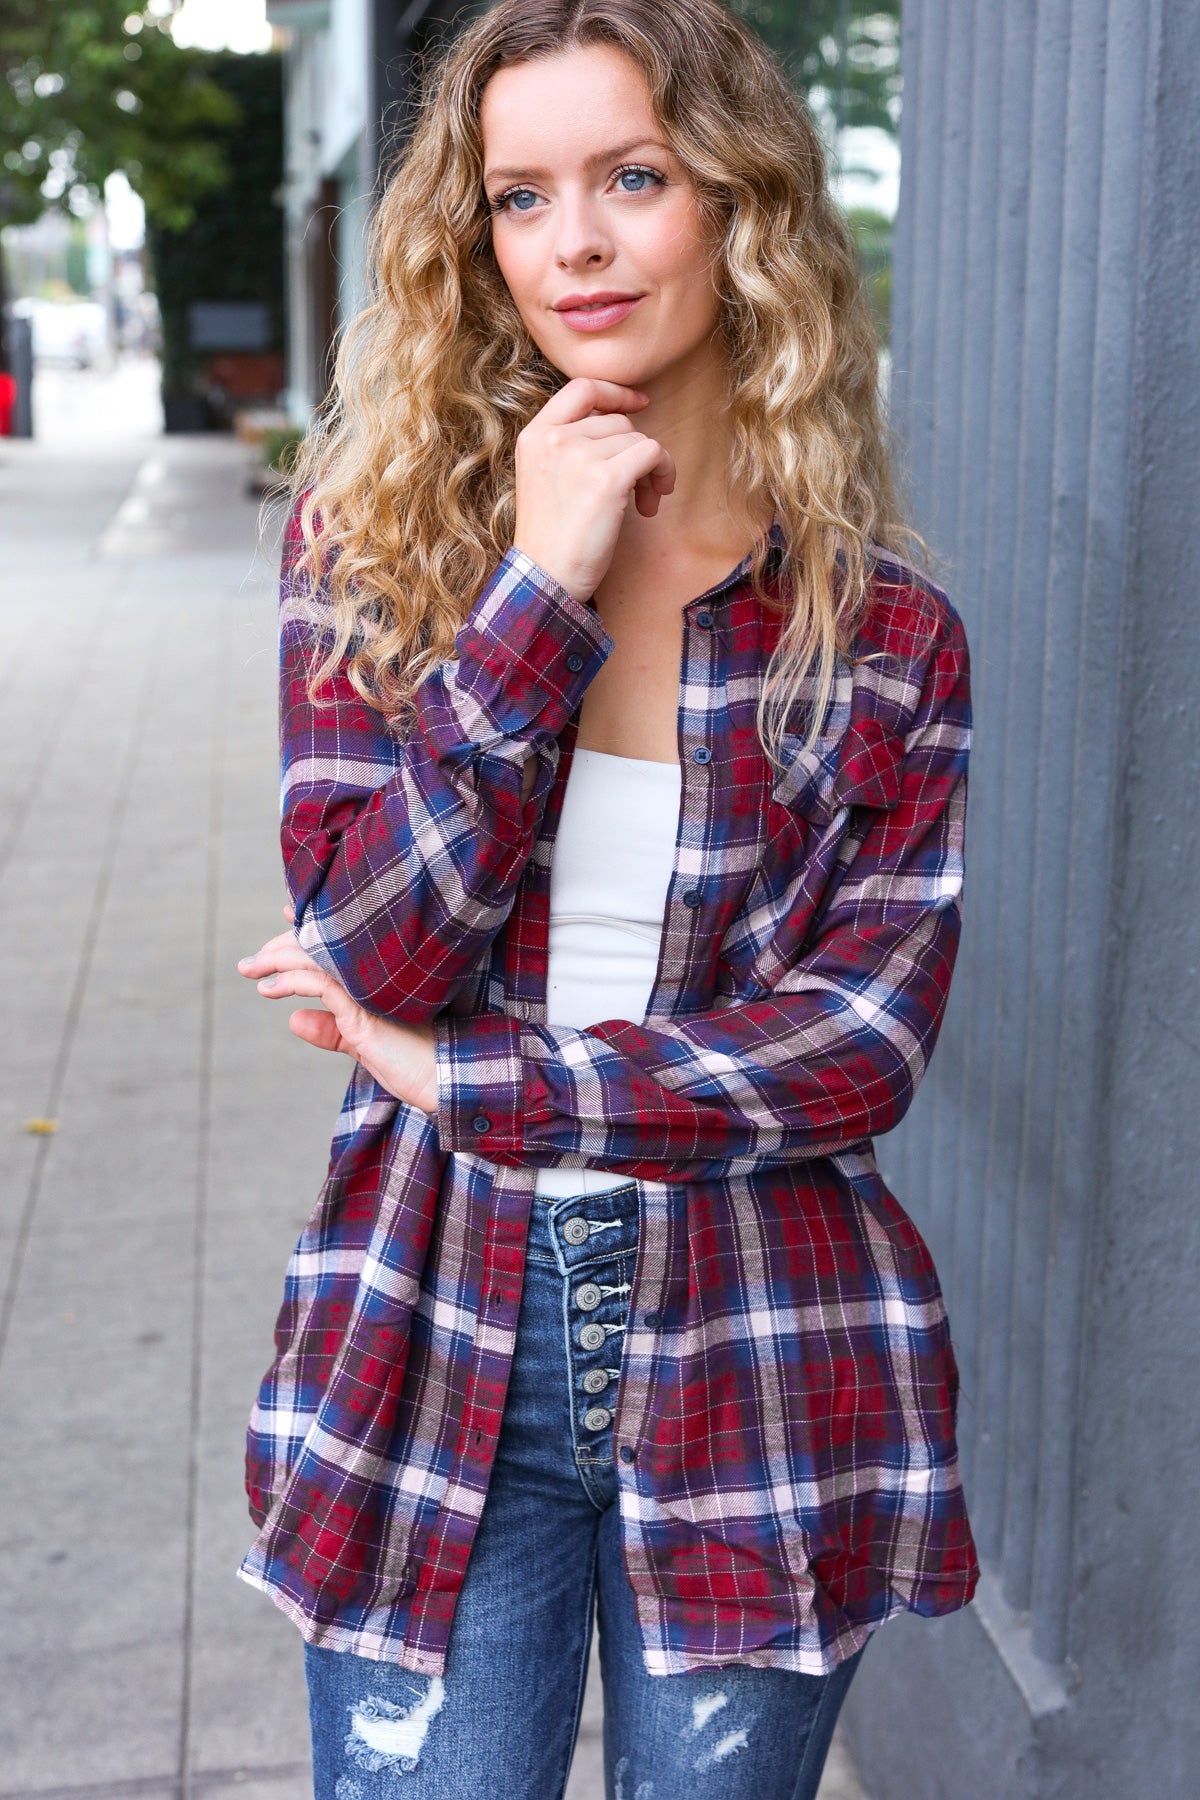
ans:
(689, 414)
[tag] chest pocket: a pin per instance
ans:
(852, 762)
(810, 840)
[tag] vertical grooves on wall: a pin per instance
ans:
(1016, 300)
(1010, 1120)
(990, 624)
(1053, 799)
(946, 308)
(1086, 848)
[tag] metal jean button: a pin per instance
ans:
(577, 1231)
(592, 1337)
(595, 1381)
(588, 1296)
(597, 1417)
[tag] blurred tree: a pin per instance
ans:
(91, 86)
(842, 55)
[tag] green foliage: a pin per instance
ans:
(232, 249)
(280, 447)
(87, 89)
(843, 57)
(862, 86)
(874, 233)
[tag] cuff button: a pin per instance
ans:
(574, 662)
(481, 1123)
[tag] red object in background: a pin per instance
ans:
(247, 374)
(8, 403)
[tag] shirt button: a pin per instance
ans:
(652, 1320)
(702, 755)
(595, 1381)
(627, 1455)
(596, 1418)
(574, 662)
(692, 897)
(588, 1296)
(704, 619)
(592, 1336)
(481, 1123)
(576, 1231)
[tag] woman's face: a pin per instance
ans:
(595, 222)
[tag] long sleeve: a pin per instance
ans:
(403, 856)
(830, 1056)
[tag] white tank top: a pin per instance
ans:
(614, 853)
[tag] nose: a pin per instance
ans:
(581, 241)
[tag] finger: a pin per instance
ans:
(646, 499)
(587, 395)
(310, 984)
(281, 953)
(289, 913)
(601, 426)
(317, 1028)
(271, 948)
(646, 461)
(651, 489)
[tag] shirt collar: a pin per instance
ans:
(777, 540)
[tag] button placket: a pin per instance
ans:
(598, 1285)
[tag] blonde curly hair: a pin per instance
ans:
(407, 478)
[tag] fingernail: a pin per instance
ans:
(269, 981)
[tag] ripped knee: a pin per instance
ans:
(385, 1735)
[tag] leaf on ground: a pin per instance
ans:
(41, 1127)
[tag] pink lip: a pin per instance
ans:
(596, 312)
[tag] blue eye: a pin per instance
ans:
(631, 180)
(522, 199)
(645, 178)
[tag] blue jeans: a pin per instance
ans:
(504, 1718)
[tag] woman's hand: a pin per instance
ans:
(399, 1057)
(577, 465)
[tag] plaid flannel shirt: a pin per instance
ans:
(785, 1413)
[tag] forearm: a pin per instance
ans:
(786, 1078)
(401, 883)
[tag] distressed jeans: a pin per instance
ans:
(503, 1719)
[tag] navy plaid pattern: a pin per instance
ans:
(784, 1421)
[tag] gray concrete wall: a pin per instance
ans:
(1047, 390)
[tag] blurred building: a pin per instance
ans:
(349, 78)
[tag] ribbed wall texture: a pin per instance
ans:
(1046, 289)
(1016, 296)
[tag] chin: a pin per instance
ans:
(628, 371)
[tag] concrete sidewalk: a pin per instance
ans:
(163, 1134)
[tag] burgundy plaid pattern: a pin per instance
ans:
(785, 1415)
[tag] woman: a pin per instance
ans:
(624, 782)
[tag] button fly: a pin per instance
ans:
(595, 1381)
(588, 1296)
(592, 1336)
(597, 1417)
(576, 1231)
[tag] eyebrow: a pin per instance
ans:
(603, 156)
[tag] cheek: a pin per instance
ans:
(519, 264)
(682, 260)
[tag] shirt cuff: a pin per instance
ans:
(529, 649)
(480, 1098)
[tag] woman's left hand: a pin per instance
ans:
(399, 1057)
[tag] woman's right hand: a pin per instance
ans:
(577, 465)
